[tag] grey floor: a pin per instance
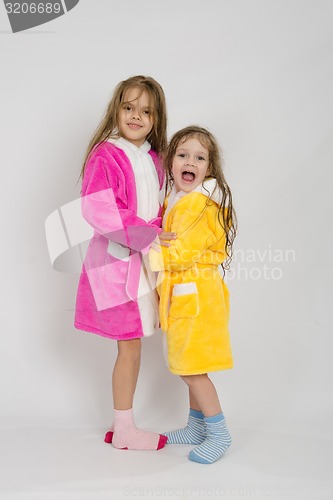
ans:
(60, 464)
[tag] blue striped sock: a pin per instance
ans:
(193, 433)
(216, 443)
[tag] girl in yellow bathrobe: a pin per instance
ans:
(194, 300)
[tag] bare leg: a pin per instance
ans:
(125, 434)
(125, 373)
(203, 394)
(194, 432)
(124, 377)
(193, 402)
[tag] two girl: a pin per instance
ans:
(116, 298)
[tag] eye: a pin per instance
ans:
(127, 107)
(181, 155)
(201, 158)
(147, 112)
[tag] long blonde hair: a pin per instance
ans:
(226, 214)
(108, 126)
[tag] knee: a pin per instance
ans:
(194, 380)
(129, 349)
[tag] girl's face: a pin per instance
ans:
(190, 164)
(135, 116)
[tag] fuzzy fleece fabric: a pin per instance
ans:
(106, 302)
(194, 299)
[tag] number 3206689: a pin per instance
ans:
(33, 8)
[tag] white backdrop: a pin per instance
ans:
(258, 74)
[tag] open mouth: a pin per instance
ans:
(188, 176)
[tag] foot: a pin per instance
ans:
(193, 433)
(137, 439)
(127, 436)
(216, 444)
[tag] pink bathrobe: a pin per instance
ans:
(106, 302)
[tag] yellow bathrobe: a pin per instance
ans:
(194, 300)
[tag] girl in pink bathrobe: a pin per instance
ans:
(122, 192)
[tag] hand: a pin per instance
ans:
(163, 240)
(165, 237)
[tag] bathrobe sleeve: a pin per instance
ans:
(197, 229)
(104, 204)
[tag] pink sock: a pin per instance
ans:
(127, 436)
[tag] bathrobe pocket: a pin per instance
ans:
(184, 301)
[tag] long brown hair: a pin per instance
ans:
(108, 126)
(226, 214)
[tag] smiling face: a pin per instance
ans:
(190, 164)
(135, 119)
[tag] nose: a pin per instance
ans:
(135, 115)
(190, 163)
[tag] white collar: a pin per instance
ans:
(208, 188)
(124, 144)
